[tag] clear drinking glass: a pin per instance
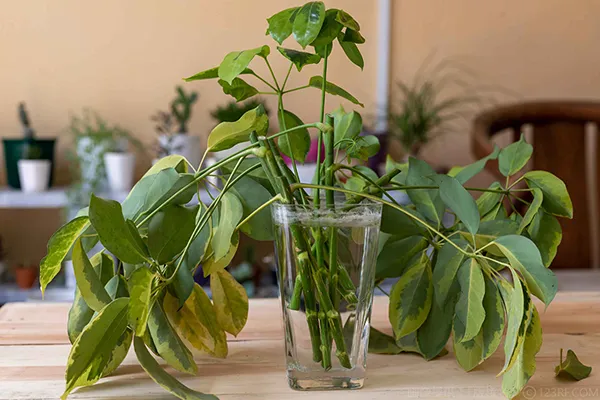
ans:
(326, 298)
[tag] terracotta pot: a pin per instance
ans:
(25, 277)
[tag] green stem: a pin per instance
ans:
(285, 132)
(265, 81)
(289, 143)
(317, 199)
(295, 89)
(272, 74)
(365, 177)
(286, 77)
(273, 199)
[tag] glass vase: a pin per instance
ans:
(326, 271)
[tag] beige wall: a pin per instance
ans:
(123, 58)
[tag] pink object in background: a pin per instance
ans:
(311, 157)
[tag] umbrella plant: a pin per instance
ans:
(468, 269)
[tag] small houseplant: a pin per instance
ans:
(449, 284)
(25, 275)
(172, 128)
(120, 161)
(34, 171)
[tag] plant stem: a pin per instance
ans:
(273, 199)
(286, 77)
(317, 199)
(285, 132)
(265, 81)
(295, 89)
(278, 89)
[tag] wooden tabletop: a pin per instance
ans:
(34, 348)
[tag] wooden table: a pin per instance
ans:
(34, 348)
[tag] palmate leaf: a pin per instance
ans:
(59, 246)
(236, 62)
(212, 73)
(295, 144)
(329, 30)
(317, 82)
(92, 350)
(299, 58)
(556, 198)
(238, 89)
(514, 157)
(230, 301)
(571, 367)
(280, 24)
(470, 312)
(227, 134)
(308, 22)
(161, 377)
(411, 297)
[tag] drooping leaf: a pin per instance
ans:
(464, 174)
(525, 257)
(380, 343)
(532, 210)
(470, 313)
(493, 325)
(411, 296)
(230, 300)
(295, 144)
(212, 73)
(308, 22)
(280, 24)
(213, 264)
(252, 195)
(545, 231)
(397, 254)
(352, 52)
(238, 89)
(92, 350)
(317, 82)
(140, 289)
(119, 353)
(299, 58)
(168, 343)
(231, 213)
(59, 246)
(428, 202)
(106, 217)
(91, 288)
(556, 198)
(346, 19)
(457, 199)
(515, 312)
(447, 265)
(353, 36)
(227, 134)
(329, 31)
(364, 147)
(80, 315)
(469, 353)
(236, 62)
(169, 230)
(197, 322)
(571, 367)
(182, 284)
(161, 377)
(514, 157)
(488, 200)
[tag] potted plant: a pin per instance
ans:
(16, 149)
(172, 128)
(119, 162)
(25, 275)
(452, 279)
(34, 172)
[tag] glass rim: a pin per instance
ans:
(338, 206)
(361, 214)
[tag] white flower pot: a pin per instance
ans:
(183, 144)
(120, 168)
(34, 175)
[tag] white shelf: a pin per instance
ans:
(10, 292)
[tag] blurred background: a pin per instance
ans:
(70, 61)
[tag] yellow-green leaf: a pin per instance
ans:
(236, 62)
(448, 262)
(532, 210)
(572, 367)
(230, 300)
(212, 264)
(58, 247)
(140, 289)
(197, 322)
(80, 315)
(88, 282)
(556, 197)
(515, 304)
(119, 353)
(175, 161)
(227, 134)
(545, 231)
(514, 157)
(231, 213)
(469, 309)
(331, 88)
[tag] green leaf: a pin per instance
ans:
(364, 147)
(489, 231)
(227, 134)
(396, 255)
(230, 300)
(169, 231)
(236, 62)
(346, 19)
(515, 379)
(257, 174)
(80, 315)
(213, 264)
(91, 288)
(105, 268)
(428, 202)
(352, 52)
(470, 313)
(353, 36)
(294, 144)
(347, 126)
(308, 22)
(161, 377)
(317, 82)
(92, 350)
(525, 257)
(231, 213)
(514, 157)
(532, 210)
(107, 219)
(488, 200)
(447, 265)
(212, 73)
(140, 288)
(457, 199)
(117, 287)
(493, 325)
(366, 171)
(119, 353)
(556, 198)
(197, 322)
(396, 222)
(546, 233)
(464, 174)
(515, 310)
(410, 299)
(280, 24)
(175, 161)
(59, 246)
(329, 31)
(299, 58)
(469, 354)
(572, 367)
(168, 344)
(380, 343)
(239, 89)
(253, 195)
(182, 285)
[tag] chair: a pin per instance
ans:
(560, 140)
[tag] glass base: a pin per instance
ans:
(306, 383)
